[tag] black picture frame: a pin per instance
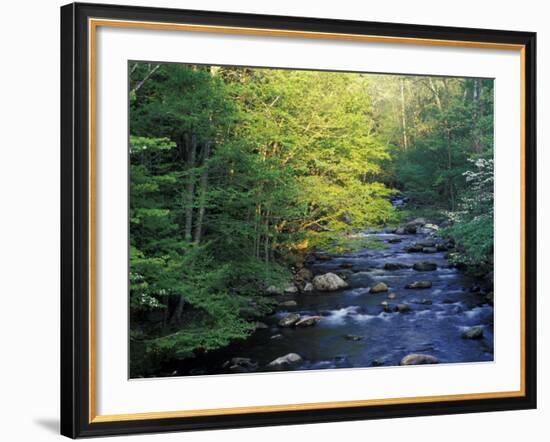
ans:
(75, 221)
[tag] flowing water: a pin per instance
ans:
(355, 331)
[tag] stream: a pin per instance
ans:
(356, 329)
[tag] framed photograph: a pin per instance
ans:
(274, 220)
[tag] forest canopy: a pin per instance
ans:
(237, 174)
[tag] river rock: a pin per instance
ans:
(394, 266)
(379, 288)
(307, 321)
(241, 365)
(353, 337)
(329, 282)
(411, 229)
(429, 250)
(400, 231)
(291, 289)
(274, 290)
(308, 287)
(394, 240)
(475, 332)
(415, 248)
(402, 308)
(413, 226)
(431, 226)
(290, 303)
(418, 359)
(419, 285)
(285, 361)
(289, 320)
(424, 266)
(392, 296)
(423, 301)
(303, 275)
(261, 326)
(417, 222)
(427, 243)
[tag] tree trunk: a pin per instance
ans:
(449, 167)
(150, 72)
(203, 189)
(178, 312)
(476, 94)
(403, 115)
(266, 239)
(190, 187)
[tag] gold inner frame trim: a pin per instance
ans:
(93, 24)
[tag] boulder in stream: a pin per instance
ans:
(353, 337)
(386, 307)
(419, 285)
(308, 287)
(414, 225)
(241, 365)
(429, 250)
(329, 282)
(424, 266)
(424, 301)
(290, 303)
(411, 229)
(426, 243)
(379, 288)
(291, 288)
(285, 361)
(303, 275)
(418, 359)
(394, 266)
(289, 320)
(307, 321)
(475, 332)
(402, 308)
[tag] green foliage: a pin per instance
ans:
(475, 243)
(472, 227)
